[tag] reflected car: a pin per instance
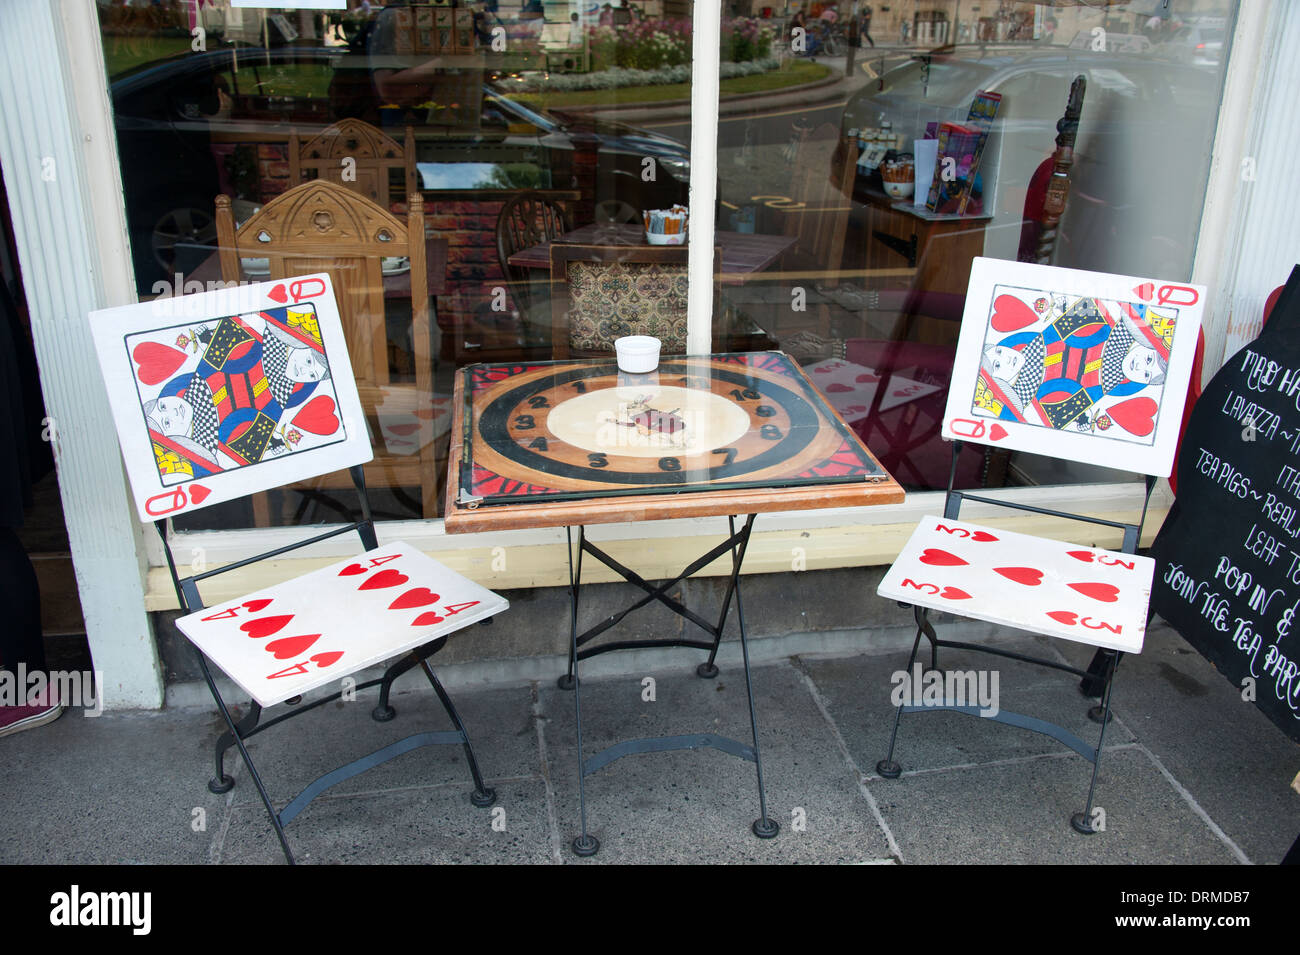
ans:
(1141, 160)
(180, 123)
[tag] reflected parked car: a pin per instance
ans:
(181, 122)
(1141, 160)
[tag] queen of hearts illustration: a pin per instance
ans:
(224, 413)
(1057, 376)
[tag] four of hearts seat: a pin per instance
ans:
(294, 637)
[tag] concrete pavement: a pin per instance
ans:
(1190, 772)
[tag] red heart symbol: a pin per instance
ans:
(156, 362)
(1145, 291)
(854, 409)
(317, 416)
(404, 429)
(823, 371)
(426, 620)
(1108, 593)
(1064, 616)
(997, 432)
(287, 647)
(198, 493)
(1136, 416)
(1022, 575)
(982, 537)
(867, 379)
(325, 659)
(1083, 555)
(385, 578)
(255, 605)
(837, 387)
(1010, 314)
(419, 597)
(257, 629)
(278, 294)
(351, 570)
(952, 593)
(941, 558)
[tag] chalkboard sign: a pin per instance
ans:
(1228, 556)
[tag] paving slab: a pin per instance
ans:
(1233, 761)
(414, 825)
(858, 692)
(1018, 812)
(698, 806)
(113, 789)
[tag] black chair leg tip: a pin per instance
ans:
(586, 846)
(889, 769)
(565, 682)
(1081, 824)
(1097, 713)
(706, 670)
(222, 785)
(765, 828)
(484, 797)
(382, 714)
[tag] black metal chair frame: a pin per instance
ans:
(764, 827)
(1095, 681)
(240, 731)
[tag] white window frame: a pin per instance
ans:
(838, 537)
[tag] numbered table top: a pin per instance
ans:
(537, 445)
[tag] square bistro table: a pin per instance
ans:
(572, 443)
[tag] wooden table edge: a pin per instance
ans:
(649, 507)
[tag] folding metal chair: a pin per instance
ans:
(220, 396)
(435, 580)
(1071, 374)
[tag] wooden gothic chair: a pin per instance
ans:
(320, 226)
(358, 156)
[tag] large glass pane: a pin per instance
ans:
(869, 286)
(517, 122)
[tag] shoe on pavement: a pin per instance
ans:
(15, 719)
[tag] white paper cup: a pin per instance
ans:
(637, 354)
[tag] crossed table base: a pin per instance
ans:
(764, 826)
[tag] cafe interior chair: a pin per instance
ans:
(357, 156)
(526, 220)
(320, 226)
(603, 292)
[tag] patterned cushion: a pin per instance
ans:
(608, 300)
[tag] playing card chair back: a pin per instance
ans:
(1075, 365)
(320, 226)
(177, 377)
